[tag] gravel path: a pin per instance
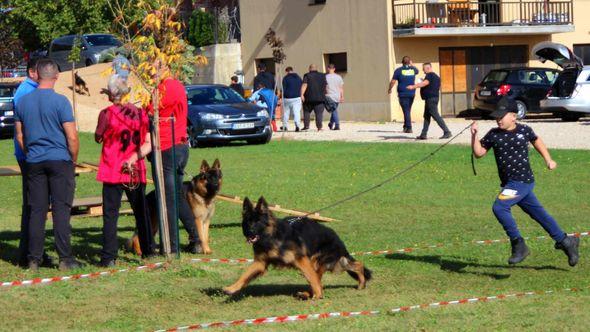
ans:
(556, 134)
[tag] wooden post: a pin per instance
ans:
(159, 178)
(74, 95)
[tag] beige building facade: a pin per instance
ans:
(367, 39)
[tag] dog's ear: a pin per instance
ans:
(262, 206)
(204, 166)
(216, 164)
(247, 207)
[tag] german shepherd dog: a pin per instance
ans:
(200, 195)
(80, 84)
(302, 244)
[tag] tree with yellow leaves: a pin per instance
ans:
(157, 52)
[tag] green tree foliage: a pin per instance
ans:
(201, 29)
(11, 51)
(74, 56)
(40, 21)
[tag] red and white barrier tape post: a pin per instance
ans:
(343, 314)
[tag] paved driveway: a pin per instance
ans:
(556, 134)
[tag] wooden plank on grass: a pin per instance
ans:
(15, 170)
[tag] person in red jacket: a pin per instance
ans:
(173, 104)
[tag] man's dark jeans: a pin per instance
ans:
(23, 245)
(318, 109)
(184, 211)
(111, 198)
(406, 104)
(50, 180)
(431, 111)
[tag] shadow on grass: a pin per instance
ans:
(455, 265)
(265, 291)
(385, 138)
(225, 225)
(86, 244)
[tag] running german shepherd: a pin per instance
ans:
(302, 244)
(200, 194)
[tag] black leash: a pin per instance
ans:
(473, 164)
(397, 175)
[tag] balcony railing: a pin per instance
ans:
(411, 14)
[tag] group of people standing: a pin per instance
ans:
(315, 92)
(46, 147)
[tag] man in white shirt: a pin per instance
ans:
(334, 96)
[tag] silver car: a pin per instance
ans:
(569, 97)
(93, 46)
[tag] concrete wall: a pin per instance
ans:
(362, 29)
(225, 61)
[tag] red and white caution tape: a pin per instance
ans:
(342, 314)
(222, 260)
(45, 281)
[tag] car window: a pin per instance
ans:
(213, 95)
(6, 92)
(496, 76)
(551, 76)
(60, 45)
(102, 40)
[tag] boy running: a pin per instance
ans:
(510, 143)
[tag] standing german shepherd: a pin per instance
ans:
(303, 244)
(200, 194)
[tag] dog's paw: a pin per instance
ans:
(207, 251)
(229, 290)
(303, 296)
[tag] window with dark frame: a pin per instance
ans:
(269, 63)
(583, 51)
(339, 60)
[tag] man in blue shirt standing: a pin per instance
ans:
(292, 98)
(405, 76)
(26, 87)
(46, 132)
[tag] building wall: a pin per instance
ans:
(224, 61)
(362, 29)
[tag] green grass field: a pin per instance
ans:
(439, 202)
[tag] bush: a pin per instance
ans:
(201, 27)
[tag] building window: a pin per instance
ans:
(317, 2)
(583, 51)
(268, 62)
(338, 59)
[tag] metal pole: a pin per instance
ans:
(175, 221)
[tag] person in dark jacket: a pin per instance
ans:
(237, 86)
(292, 95)
(313, 96)
(264, 77)
(429, 91)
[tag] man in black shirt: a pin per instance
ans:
(264, 77)
(510, 143)
(313, 96)
(429, 91)
(237, 86)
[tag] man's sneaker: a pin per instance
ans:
(107, 263)
(408, 130)
(297, 129)
(305, 128)
(446, 135)
(33, 266)
(194, 248)
(69, 265)
(421, 137)
(570, 245)
(519, 251)
(331, 126)
(336, 127)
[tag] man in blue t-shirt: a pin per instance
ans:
(27, 86)
(292, 98)
(430, 91)
(405, 76)
(46, 132)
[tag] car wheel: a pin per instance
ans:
(522, 109)
(88, 63)
(570, 116)
(262, 140)
(192, 140)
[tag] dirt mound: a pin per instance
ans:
(87, 106)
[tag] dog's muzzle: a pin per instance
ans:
(252, 239)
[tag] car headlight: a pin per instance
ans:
(211, 116)
(263, 113)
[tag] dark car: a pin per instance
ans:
(525, 85)
(217, 114)
(7, 108)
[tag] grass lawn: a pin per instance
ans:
(441, 201)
